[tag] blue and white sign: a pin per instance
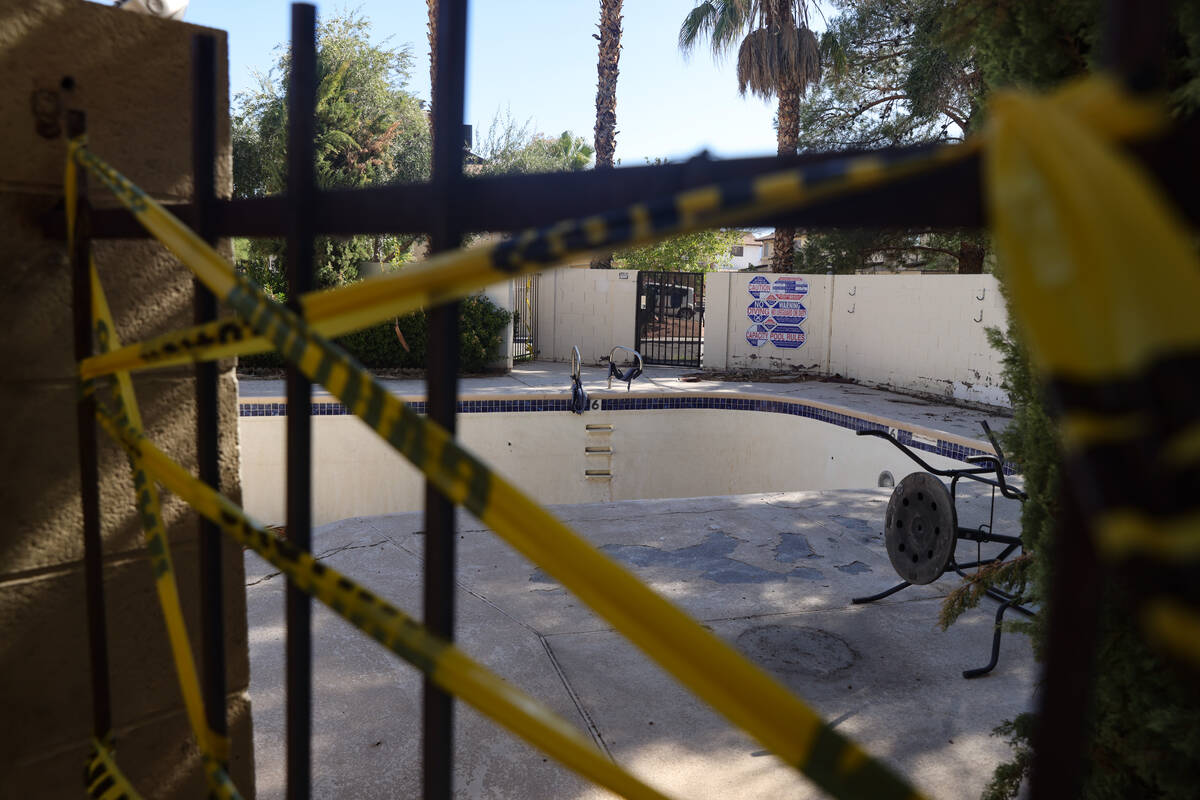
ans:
(757, 335)
(789, 312)
(789, 289)
(757, 311)
(787, 336)
(776, 312)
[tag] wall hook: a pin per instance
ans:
(853, 291)
(982, 293)
(850, 310)
(980, 317)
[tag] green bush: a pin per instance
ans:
(377, 347)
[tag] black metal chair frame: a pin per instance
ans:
(983, 533)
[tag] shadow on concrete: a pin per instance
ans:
(771, 574)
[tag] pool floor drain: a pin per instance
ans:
(793, 651)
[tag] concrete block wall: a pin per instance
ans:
(917, 333)
(592, 309)
(922, 333)
(503, 294)
(726, 323)
(131, 74)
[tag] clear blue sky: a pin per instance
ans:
(538, 60)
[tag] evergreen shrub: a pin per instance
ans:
(377, 347)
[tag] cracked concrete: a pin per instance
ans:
(319, 556)
(883, 673)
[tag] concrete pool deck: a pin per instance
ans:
(550, 377)
(772, 574)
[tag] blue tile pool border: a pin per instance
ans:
(796, 408)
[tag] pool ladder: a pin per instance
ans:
(597, 451)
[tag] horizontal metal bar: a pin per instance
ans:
(598, 427)
(973, 535)
(598, 451)
(947, 197)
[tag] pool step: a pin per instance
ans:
(598, 451)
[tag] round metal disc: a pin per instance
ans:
(920, 528)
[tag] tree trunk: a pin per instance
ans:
(788, 134)
(970, 258)
(606, 86)
(606, 95)
(432, 6)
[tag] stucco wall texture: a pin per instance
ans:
(131, 75)
(925, 334)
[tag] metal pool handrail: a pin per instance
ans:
(613, 371)
(579, 398)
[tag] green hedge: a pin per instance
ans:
(377, 347)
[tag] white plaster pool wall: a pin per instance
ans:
(915, 333)
(655, 454)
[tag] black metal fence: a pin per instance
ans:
(670, 318)
(667, 333)
(525, 319)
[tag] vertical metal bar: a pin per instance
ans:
(639, 316)
(1134, 48)
(442, 380)
(1071, 630)
(673, 326)
(89, 470)
(302, 83)
(208, 430)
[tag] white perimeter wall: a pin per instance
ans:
(916, 333)
(656, 454)
(592, 309)
(504, 295)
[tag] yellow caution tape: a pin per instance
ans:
(1105, 283)
(741, 691)
(1174, 624)
(453, 275)
(446, 665)
(214, 747)
(102, 777)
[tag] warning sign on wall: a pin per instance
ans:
(786, 336)
(757, 335)
(776, 311)
(789, 312)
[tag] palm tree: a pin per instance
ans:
(606, 94)
(431, 7)
(779, 56)
(606, 89)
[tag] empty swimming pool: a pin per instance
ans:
(625, 447)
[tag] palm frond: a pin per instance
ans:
(770, 61)
(698, 23)
(720, 21)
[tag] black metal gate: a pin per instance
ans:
(670, 318)
(525, 317)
